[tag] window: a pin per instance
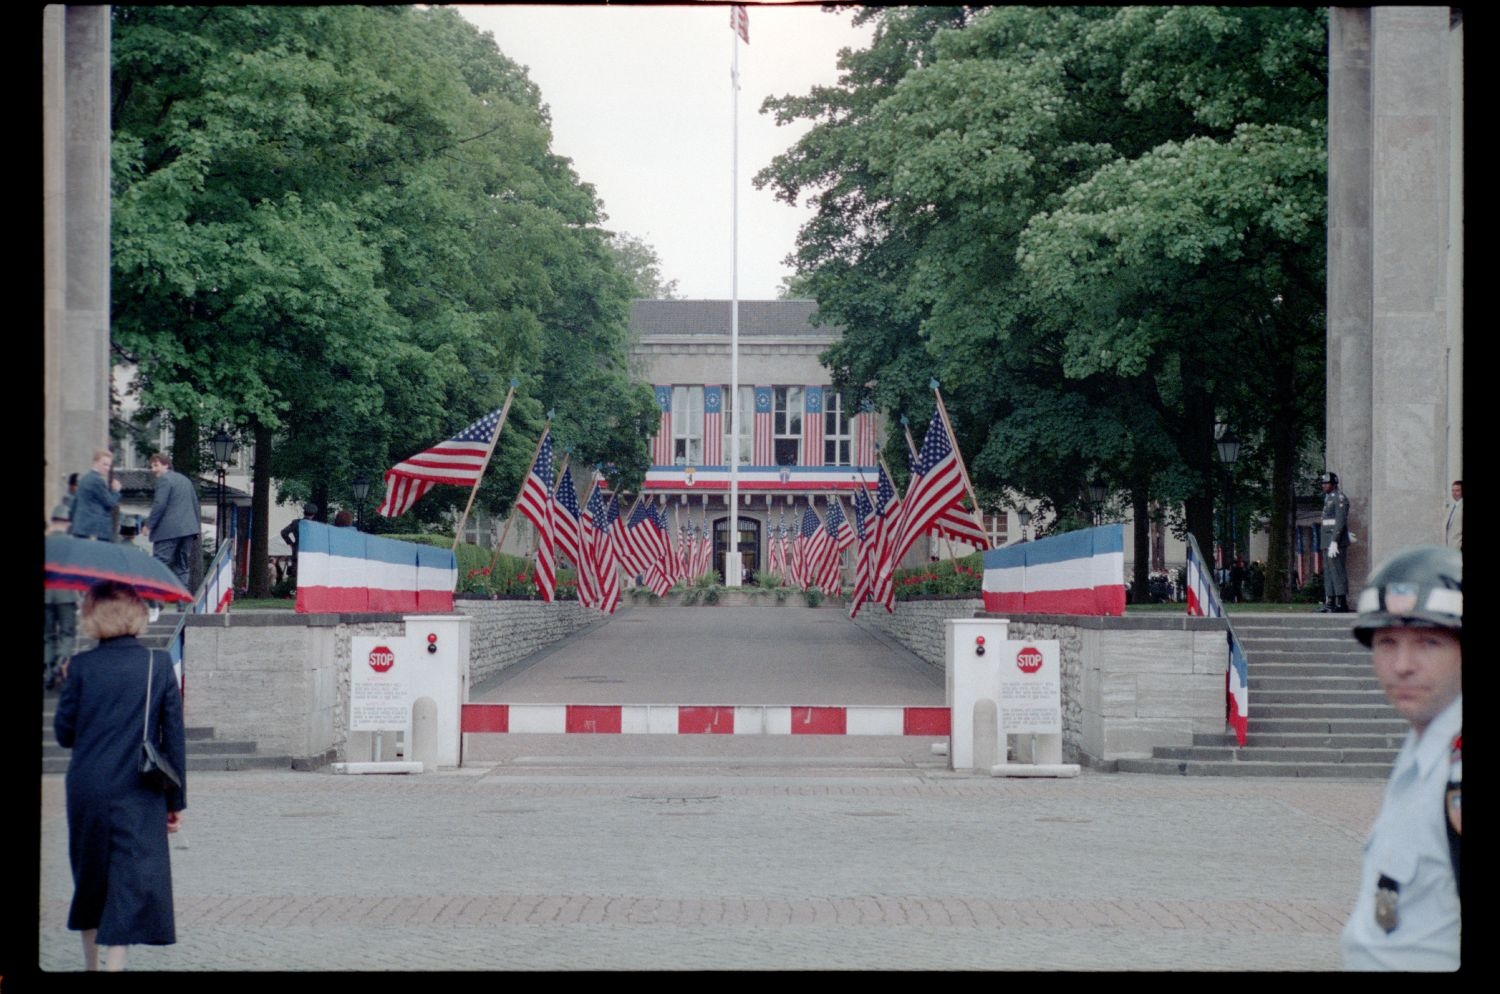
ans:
(837, 440)
(997, 526)
(687, 425)
(786, 425)
(746, 425)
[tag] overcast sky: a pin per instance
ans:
(641, 102)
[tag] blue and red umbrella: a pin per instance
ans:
(79, 563)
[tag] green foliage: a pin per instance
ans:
(343, 230)
(813, 596)
(1101, 228)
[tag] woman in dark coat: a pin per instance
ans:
(117, 820)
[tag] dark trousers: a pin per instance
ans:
(177, 555)
(59, 629)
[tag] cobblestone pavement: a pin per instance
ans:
(662, 852)
(566, 855)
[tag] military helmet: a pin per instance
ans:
(1418, 587)
(1329, 477)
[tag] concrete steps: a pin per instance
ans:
(204, 751)
(1316, 709)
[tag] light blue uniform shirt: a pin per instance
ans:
(1409, 844)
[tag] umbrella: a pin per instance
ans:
(79, 563)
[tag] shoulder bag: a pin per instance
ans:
(153, 767)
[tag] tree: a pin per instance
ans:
(642, 267)
(342, 231)
(960, 143)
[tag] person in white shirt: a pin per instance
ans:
(1407, 915)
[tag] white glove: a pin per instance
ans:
(1333, 550)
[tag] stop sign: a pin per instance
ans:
(381, 659)
(1029, 659)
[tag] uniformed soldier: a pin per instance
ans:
(1335, 534)
(1407, 915)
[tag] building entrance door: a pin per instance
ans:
(749, 545)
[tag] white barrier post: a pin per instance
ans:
(969, 650)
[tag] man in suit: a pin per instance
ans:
(175, 523)
(1453, 531)
(98, 496)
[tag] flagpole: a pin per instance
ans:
(732, 568)
(958, 453)
(495, 554)
(474, 491)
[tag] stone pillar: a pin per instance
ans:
(1395, 261)
(75, 234)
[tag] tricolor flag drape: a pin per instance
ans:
(1203, 602)
(458, 460)
(535, 503)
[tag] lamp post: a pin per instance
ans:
(361, 489)
(1023, 516)
(222, 444)
(1097, 493)
(1229, 450)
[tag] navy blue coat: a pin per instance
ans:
(117, 823)
(174, 511)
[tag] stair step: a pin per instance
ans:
(1262, 681)
(1391, 740)
(1316, 698)
(1332, 711)
(1263, 754)
(1210, 768)
(1325, 726)
(1305, 668)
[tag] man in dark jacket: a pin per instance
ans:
(175, 523)
(98, 496)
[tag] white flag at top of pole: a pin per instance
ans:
(739, 20)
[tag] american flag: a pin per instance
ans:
(739, 21)
(661, 446)
(763, 451)
(568, 523)
(864, 531)
(887, 525)
(812, 427)
(937, 485)
(864, 436)
(602, 519)
(535, 503)
(807, 549)
(958, 524)
(775, 561)
(713, 426)
(639, 548)
(840, 537)
(459, 460)
(705, 543)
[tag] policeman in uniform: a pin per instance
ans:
(1407, 914)
(1335, 533)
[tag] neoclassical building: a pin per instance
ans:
(800, 443)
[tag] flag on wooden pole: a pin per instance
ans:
(535, 502)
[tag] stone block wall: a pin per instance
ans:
(505, 632)
(281, 679)
(1129, 684)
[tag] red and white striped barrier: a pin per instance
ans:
(681, 719)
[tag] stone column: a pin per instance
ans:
(75, 232)
(1394, 272)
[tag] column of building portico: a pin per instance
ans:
(1395, 260)
(75, 219)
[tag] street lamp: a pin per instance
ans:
(361, 491)
(222, 444)
(1229, 450)
(1024, 517)
(1097, 493)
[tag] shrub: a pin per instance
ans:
(813, 596)
(949, 578)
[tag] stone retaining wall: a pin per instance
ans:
(281, 679)
(1129, 684)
